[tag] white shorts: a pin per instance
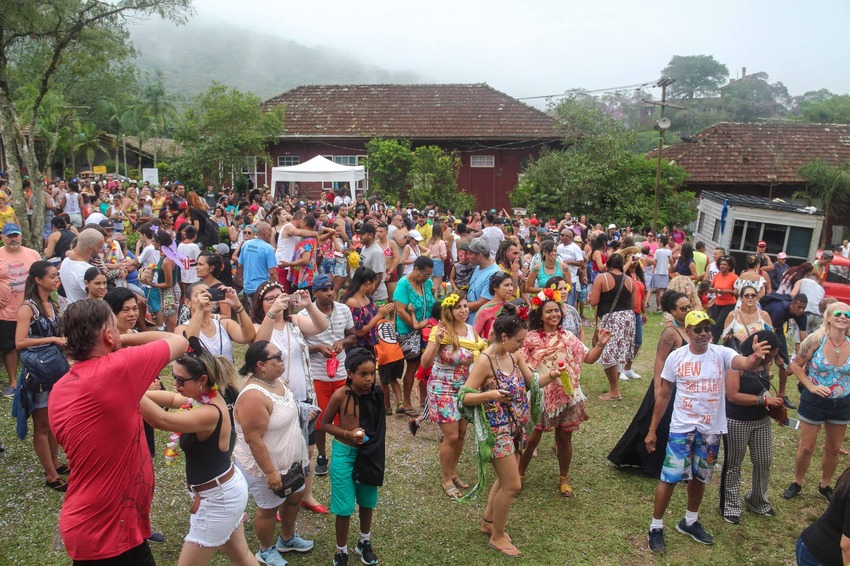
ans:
(263, 496)
(220, 512)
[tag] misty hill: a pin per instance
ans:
(191, 57)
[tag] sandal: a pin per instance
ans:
(400, 410)
(459, 483)
(413, 426)
(412, 412)
(63, 470)
(388, 411)
(565, 488)
(452, 491)
(609, 397)
(58, 484)
(510, 551)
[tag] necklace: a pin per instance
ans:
(836, 346)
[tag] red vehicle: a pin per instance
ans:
(837, 282)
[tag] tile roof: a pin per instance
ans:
(424, 111)
(758, 153)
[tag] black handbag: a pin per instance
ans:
(291, 481)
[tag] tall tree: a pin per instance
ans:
(696, 76)
(752, 98)
(220, 130)
(433, 177)
(833, 109)
(40, 39)
(830, 186)
(389, 164)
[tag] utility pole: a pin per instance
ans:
(662, 125)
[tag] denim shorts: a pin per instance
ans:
(439, 268)
(220, 512)
(690, 455)
(638, 330)
(39, 400)
(817, 410)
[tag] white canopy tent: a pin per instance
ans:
(318, 169)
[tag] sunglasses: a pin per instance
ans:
(749, 296)
(278, 357)
(837, 313)
(181, 381)
(248, 232)
(700, 329)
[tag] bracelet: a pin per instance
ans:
(345, 434)
(271, 316)
(760, 400)
(241, 310)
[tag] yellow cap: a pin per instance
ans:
(695, 318)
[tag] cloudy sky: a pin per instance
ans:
(542, 47)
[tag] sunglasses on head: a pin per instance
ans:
(837, 313)
(700, 329)
(181, 381)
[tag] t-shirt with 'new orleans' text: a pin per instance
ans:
(700, 388)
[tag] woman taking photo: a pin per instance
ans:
(365, 313)
(503, 290)
(95, 282)
(452, 347)
(210, 270)
(38, 325)
(725, 295)
(745, 320)
(436, 247)
(217, 334)
(546, 349)
(207, 438)
(823, 369)
(550, 266)
(631, 450)
(286, 332)
(748, 400)
(270, 442)
(502, 397)
(613, 294)
(413, 300)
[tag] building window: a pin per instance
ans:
(347, 160)
(288, 160)
(793, 240)
(250, 165)
(482, 161)
(715, 234)
(701, 222)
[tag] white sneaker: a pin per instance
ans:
(632, 374)
(623, 376)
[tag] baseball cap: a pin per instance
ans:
(534, 221)
(322, 281)
(366, 228)
(612, 226)
(183, 205)
(463, 246)
(761, 244)
(781, 255)
(695, 318)
(432, 214)
(479, 246)
(106, 224)
(11, 228)
(222, 249)
(415, 235)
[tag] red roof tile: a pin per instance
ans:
(758, 153)
(433, 111)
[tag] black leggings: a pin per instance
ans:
(719, 315)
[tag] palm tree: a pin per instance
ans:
(828, 184)
(89, 140)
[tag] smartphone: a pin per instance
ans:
(792, 423)
(216, 294)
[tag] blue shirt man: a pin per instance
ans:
(257, 261)
(479, 286)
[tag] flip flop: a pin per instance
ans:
(412, 412)
(509, 551)
(400, 410)
(564, 488)
(63, 470)
(607, 397)
(452, 491)
(57, 484)
(459, 483)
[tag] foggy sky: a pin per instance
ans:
(541, 47)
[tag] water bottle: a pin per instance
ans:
(566, 380)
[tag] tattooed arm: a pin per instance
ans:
(801, 362)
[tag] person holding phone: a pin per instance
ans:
(216, 333)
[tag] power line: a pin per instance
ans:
(609, 89)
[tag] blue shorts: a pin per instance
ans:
(39, 400)
(439, 268)
(344, 490)
(638, 330)
(327, 266)
(690, 455)
(154, 298)
(660, 282)
(817, 410)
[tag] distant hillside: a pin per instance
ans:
(192, 56)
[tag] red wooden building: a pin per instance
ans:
(493, 134)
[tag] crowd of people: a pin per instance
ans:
(355, 310)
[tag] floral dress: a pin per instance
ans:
(302, 276)
(448, 374)
(560, 410)
(508, 420)
(362, 316)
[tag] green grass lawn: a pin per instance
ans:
(605, 523)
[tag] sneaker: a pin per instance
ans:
(367, 555)
(792, 490)
(341, 559)
(296, 543)
(695, 531)
(156, 537)
(271, 557)
(632, 374)
(322, 465)
(826, 493)
(788, 403)
(656, 540)
(734, 519)
(623, 376)
(8, 391)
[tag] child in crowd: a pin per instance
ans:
(189, 250)
(462, 269)
(390, 364)
(357, 466)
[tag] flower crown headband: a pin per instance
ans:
(550, 294)
(451, 301)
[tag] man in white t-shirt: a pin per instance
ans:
(698, 372)
(661, 278)
(339, 335)
(71, 273)
(492, 234)
(570, 254)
